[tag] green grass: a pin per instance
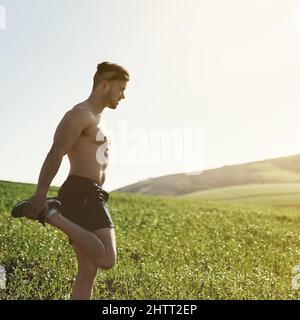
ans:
(167, 249)
(270, 194)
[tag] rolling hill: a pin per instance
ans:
(283, 170)
(273, 194)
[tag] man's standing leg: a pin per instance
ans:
(87, 269)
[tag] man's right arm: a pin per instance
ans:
(66, 135)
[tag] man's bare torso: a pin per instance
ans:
(89, 155)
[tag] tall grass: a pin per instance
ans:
(167, 249)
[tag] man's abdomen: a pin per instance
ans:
(84, 162)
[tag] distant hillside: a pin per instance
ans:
(279, 170)
(270, 194)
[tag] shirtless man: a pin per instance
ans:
(84, 216)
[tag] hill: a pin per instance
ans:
(279, 170)
(276, 194)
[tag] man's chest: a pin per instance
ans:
(96, 133)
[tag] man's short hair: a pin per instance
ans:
(109, 71)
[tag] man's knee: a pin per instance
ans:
(87, 270)
(107, 262)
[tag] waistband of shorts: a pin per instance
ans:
(80, 178)
(85, 181)
(82, 186)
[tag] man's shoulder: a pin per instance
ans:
(80, 111)
(80, 108)
(78, 115)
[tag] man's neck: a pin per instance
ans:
(96, 103)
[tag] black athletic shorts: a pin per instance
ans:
(84, 202)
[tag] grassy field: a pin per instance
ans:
(270, 194)
(167, 249)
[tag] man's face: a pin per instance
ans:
(116, 93)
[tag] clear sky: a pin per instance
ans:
(224, 71)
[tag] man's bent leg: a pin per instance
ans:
(91, 244)
(108, 238)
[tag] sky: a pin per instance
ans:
(212, 82)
